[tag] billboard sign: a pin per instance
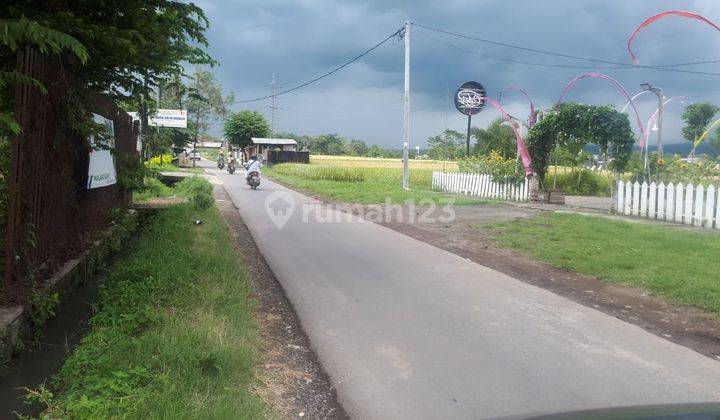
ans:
(174, 118)
(470, 98)
(101, 169)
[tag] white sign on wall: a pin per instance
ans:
(101, 170)
(175, 118)
(136, 117)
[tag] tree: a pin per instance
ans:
(697, 117)
(571, 126)
(498, 136)
(240, 127)
(206, 103)
(356, 148)
(306, 143)
(374, 151)
(133, 44)
(15, 34)
(329, 144)
(448, 145)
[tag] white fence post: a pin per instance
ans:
(635, 198)
(687, 218)
(628, 198)
(643, 199)
(699, 205)
(652, 201)
(661, 201)
(679, 190)
(620, 204)
(717, 212)
(710, 208)
(670, 202)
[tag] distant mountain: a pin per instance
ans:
(682, 149)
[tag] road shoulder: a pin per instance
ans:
(291, 378)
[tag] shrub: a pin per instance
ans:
(320, 172)
(581, 182)
(164, 159)
(198, 190)
(152, 188)
(501, 169)
(705, 170)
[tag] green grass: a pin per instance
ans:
(677, 264)
(169, 167)
(209, 154)
(197, 189)
(370, 185)
(153, 188)
(322, 172)
(173, 337)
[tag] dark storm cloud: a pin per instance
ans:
(301, 39)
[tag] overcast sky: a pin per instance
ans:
(301, 39)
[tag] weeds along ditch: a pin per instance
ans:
(46, 375)
(58, 327)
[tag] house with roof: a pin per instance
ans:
(261, 146)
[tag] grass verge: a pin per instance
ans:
(363, 185)
(673, 263)
(169, 167)
(173, 337)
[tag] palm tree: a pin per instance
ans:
(497, 136)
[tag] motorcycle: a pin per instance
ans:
(231, 167)
(253, 180)
(221, 163)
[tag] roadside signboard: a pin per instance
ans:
(469, 100)
(101, 169)
(174, 118)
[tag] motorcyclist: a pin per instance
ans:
(221, 159)
(252, 165)
(231, 162)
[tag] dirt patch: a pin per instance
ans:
(291, 380)
(159, 202)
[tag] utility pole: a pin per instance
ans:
(467, 138)
(273, 108)
(406, 109)
(661, 105)
(197, 122)
(143, 119)
(661, 98)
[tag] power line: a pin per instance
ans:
(510, 60)
(669, 67)
(309, 82)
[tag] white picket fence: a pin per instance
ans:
(688, 204)
(479, 185)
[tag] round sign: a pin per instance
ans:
(470, 98)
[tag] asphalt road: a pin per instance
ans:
(406, 330)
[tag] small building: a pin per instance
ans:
(211, 144)
(261, 146)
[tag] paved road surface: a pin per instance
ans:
(407, 330)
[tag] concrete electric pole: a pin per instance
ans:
(406, 110)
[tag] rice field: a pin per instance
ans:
(365, 180)
(368, 162)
